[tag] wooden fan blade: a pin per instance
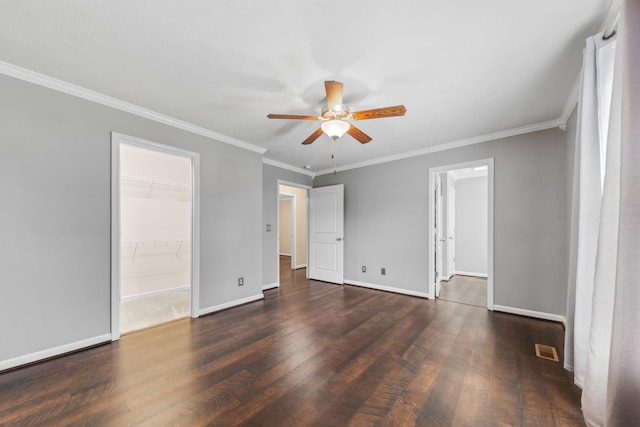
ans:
(334, 94)
(379, 113)
(362, 137)
(291, 116)
(313, 137)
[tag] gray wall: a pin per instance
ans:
(55, 217)
(471, 225)
(270, 177)
(386, 219)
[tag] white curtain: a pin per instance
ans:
(623, 390)
(597, 77)
(606, 323)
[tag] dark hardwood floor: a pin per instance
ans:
(310, 354)
(465, 290)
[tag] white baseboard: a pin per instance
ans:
(270, 286)
(284, 254)
(468, 273)
(230, 304)
(301, 266)
(52, 352)
(156, 293)
(387, 288)
(530, 313)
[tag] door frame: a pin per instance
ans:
(437, 238)
(490, 222)
(116, 140)
(280, 182)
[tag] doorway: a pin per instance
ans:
(292, 220)
(154, 234)
(461, 233)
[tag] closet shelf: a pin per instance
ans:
(149, 188)
(135, 245)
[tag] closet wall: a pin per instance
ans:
(471, 200)
(155, 222)
(285, 226)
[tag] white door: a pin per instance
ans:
(326, 226)
(451, 230)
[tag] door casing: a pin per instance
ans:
(490, 219)
(293, 226)
(116, 140)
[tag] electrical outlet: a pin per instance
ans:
(364, 268)
(383, 271)
(240, 281)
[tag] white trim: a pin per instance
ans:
(270, 286)
(116, 140)
(294, 239)
(280, 182)
(293, 184)
(468, 273)
(230, 304)
(288, 167)
(571, 103)
(284, 254)
(530, 313)
(99, 98)
(156, 293)
(54, 351)
(115, 237)
(386, 288)
(300, 266)
(490, 222)
(610, 21)
(550, 124)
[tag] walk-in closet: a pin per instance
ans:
(155, 227)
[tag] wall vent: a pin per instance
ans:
(547, 352)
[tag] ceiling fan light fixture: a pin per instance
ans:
(335, 128)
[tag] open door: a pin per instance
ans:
(326, 227)
(450, 232)
(438, 264)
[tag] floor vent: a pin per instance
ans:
(547, 352)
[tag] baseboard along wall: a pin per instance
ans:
(530, 313)
(387, 288)
(468, 273)
(230, 304)
(53, 352)
(270, 286)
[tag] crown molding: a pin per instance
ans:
(288, 167)
(550, 124)
(30, 76)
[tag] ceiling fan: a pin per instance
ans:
(335, 116)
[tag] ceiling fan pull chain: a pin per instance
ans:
(333, 156)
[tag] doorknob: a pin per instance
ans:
(339, 239)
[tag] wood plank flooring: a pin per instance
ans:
(465, 290)
(310, 354)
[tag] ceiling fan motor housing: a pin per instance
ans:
(341, 113)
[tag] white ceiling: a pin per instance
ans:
(463, 69)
